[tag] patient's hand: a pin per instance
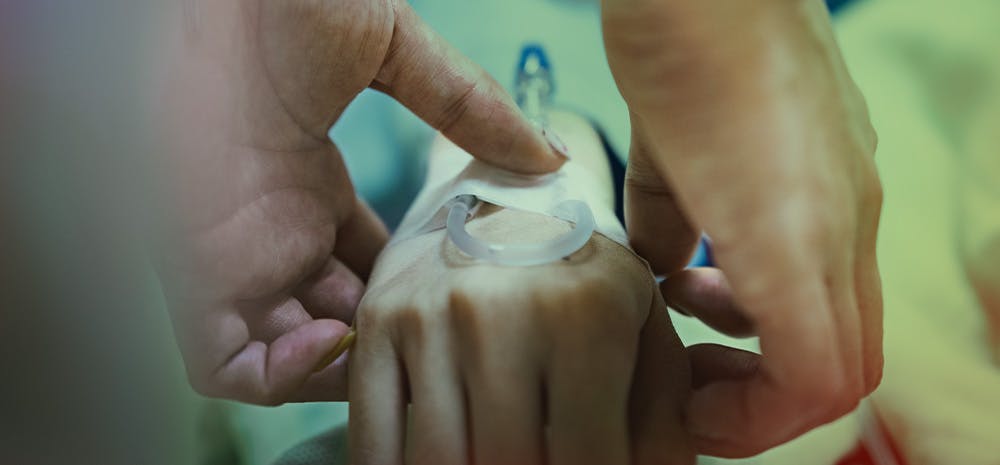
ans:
(490, 355)
(573, 362)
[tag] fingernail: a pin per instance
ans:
(345, 343)
(667, 298)
(675, 306)
(556, 143)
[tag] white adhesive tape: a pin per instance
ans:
(571, 194)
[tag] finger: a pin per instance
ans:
(377, 405)
(660, 389)
(271, 374)
(360, 239)
(332, 292)
(504, 390)
(847, 317)
(329, 383)
(840, 278)
(705, 294)
(437, 433)
(658, 228)
(588, 403)
(267, 325)
(505, 401)
(868, 284)
(460, 99)
(800, 383)
(712, 363)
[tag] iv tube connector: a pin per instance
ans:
(534, 85)
(573, 211)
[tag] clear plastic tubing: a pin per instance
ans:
(574, 211)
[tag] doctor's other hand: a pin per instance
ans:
(267, 246)
(747, 125)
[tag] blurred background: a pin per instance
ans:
(89, 372)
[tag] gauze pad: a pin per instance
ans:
(452, 173)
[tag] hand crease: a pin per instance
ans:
(321, 139)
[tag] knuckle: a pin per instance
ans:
(367, 318)
(456, 106)
(645, 180)
(808, 240)
(873, 138)
(831, 397)
(593, 310)
(394, 323)
(203, 379)
(472, 330)
(873, 194)
(846, 405)
(409, 318)
(269, 398)
(374, 316)
(874, 376)
(202, 385)
(411, 324)
(209, 386)
(462, 311)
(821, 231)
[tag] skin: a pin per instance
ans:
(269, 255)
(747, 125)
(565, 363)
(266, 261)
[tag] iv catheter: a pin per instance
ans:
(574, 211)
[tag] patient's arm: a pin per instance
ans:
(490, 356)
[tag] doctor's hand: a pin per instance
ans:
(268, 246)
(747, 125)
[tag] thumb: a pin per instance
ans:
(457, 97)
(360, 239)
(658, 228)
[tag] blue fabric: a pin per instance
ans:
(837, 5)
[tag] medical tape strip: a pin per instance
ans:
(453, 172)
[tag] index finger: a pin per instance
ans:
(457, 97)
(799, 384)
